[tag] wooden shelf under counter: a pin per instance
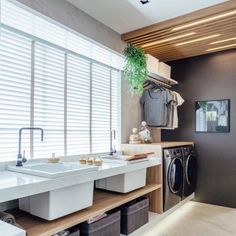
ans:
(103, 201)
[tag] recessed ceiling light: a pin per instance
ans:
(205, 20)
(167, 39)
(222, 47)
(197, 40)
(222, 41)
(144, 1)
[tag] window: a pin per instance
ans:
(59, 81)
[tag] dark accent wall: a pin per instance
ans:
(211, 76)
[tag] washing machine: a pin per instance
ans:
(189, 170)
(172, 177)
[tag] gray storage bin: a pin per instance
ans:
(134, 214)
(77, 233)
(74, 231)
(107, 226)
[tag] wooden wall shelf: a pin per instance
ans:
(158, 77)
(103, 201)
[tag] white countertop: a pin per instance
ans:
(161, 144)
(10, 230)
(15, 185)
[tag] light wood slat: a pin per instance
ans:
(201, 46)
(167, 51)
(208, 29)
(187, 55)
(224, 35)
(219, 8)
(103, 201)
(168, 33)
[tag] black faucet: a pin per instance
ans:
(112, 147)
(21, 159)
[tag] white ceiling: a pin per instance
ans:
(127, 15)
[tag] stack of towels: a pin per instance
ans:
(10, 219)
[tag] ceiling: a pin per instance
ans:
(126, 15)
(204, 31)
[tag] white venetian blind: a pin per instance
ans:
(49, 100)
(78, 105)
(101, 108)
(15, 84)
(56, 79)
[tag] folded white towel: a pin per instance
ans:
(8, 218)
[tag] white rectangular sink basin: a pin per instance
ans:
(123, 183)
(60, 202)
(53, 170)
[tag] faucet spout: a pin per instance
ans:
(21, 159)
(112, 145)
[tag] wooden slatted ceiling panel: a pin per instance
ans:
(204, 26)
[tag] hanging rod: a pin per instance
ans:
(162, 78)
(162, 84)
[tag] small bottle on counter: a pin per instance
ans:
(97, 161)
(90, 161)
(83, 160)
(53, 159)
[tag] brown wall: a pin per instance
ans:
(201, 78)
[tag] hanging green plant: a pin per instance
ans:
(135, 70)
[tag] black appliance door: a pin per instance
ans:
(175, 175)
(191, 169)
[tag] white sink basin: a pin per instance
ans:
(53, 170)
(59, 202)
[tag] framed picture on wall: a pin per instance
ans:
(213, 116)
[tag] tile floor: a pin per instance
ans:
(197, 219)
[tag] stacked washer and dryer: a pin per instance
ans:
(180, 174)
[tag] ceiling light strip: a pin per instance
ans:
(197, 40)
(223, 41)
(222, 47)
(206, 20)
(167, 39)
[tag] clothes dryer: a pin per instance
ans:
(172, 177)
(189, 170)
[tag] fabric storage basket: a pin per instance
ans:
(74, 231)
(107, 226)
(77, 233)
(133, 215)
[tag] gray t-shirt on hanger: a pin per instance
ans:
(155, 104)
